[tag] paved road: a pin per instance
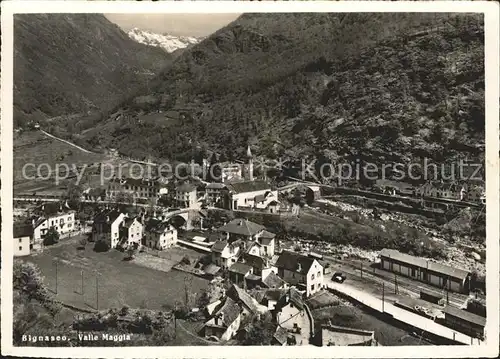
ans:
(402, 315)
(377, 276)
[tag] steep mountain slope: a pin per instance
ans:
(167, 42)
(381, 87)
(75, 63)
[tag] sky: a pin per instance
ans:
(174, 24)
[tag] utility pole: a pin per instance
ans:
(56, 275)
(97, 290)
(361, 270)
(395, 284)
(383, 295)
(81, 272)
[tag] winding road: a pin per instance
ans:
(65, 141)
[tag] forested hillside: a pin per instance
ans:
(384, 87)
(76, 63)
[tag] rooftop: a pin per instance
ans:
(240, 268)
(424, 263)
(242, 227)
(219, 246)
(22, 230)
(229, 310)
(294, 262)
(467, 316)
(273, 281)
(248, 186)
(254, 261)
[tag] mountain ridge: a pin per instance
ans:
(75, 64)
(168, 42)
(329, 86)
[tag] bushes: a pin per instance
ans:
(101, 246)
(185, 260)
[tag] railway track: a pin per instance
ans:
(404, 285)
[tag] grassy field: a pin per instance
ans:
(117, 282)
(36, 148)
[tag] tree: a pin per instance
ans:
(101, 246)
(203, 300)
(260, 331)
(74, 195)
(51, 237)
(131, 251)
(83, 242)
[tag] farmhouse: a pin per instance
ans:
(292, 314)
(224, 254)
(303, 271)
(106, 226)
(23, 242)
(242, 229)
(159, 234)
(224, 322)
(450, 278)
(131, 231)
(63, 222)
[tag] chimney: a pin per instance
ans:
(299, 267)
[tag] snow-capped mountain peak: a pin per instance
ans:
(168, 42)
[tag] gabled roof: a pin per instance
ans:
(22, 230)
(294, 262)
(248, 186)
(242, 227)
(128, 222)
(39, 221)
(102, 216)
(219, 246)
(230, 310)
(240, 295)
(291, 296)
(157, 226)
(240, 268)
(254, 261)
(424, 263)
(281, 335)
(273, 281)
(266, 234)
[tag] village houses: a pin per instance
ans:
(304, 272)
(131, 232)
(159, 234)
(106, 226)
(292, 314)
(23, 240)
(139, 189)
(186, 196)
(62, 219)
(235, 195)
